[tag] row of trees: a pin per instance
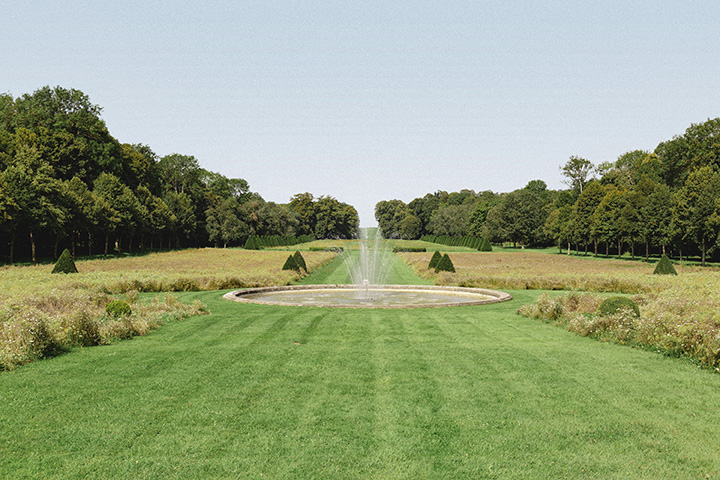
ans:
(665, 200)
(65, 182)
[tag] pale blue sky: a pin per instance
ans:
(376, 100)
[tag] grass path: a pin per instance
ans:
(255, 391)
(336, 272)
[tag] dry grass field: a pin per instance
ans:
(183, 270)
(535, 270)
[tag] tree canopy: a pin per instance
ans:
(667, 200)
(66, 182)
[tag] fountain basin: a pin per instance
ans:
(373, 296)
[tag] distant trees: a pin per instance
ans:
(667, 200)
(66, 182)
(390, 215)
(696, 208)
(577, 170)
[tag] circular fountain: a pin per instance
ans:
(368, 269)
(368, 296)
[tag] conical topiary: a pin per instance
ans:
(485, 245)
(300, 260)
(253, 243)
(291, 264)
(65, 263)
(435, 259)
(445, 265)
(664, 267)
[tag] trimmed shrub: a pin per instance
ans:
(435, 259)
(613, 305)
(445, 265)
(299, 260)
(664, 267)
(291, 264)
(65, 263)
(250, 243)
(118, 308)
(409, 249)
(253, 243)
(485, 245)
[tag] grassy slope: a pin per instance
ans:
(465, 392)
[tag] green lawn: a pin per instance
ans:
(335, 272)
(255, 391)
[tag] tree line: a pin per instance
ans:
(664, 201)
(66, 182)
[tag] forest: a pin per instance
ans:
(66, 182)
(644, 203)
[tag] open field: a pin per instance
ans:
(194, 269)
(284, 392)
(534, 270)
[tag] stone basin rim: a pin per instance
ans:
(496, 295)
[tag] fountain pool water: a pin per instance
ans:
(376, 296)
(369, 269)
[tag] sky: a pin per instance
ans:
(377, 100)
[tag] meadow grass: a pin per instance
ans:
(278, 392)
(42, 314)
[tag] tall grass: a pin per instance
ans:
(42, 314)
(524, 270)
(46, 323)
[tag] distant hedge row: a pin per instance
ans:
(469, 241)
(256, 242)
(408, 249)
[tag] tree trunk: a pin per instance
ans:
(55, 255)
(152, 242)
(586, 249)
(568, 247)
(703, 250)
(607, 249)
(595, 243)
(632, 250)
(32, 247)
(647, 251)
(12, 247)
(559, 246)
(89, 244)
(619, 248)
(107, 240)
